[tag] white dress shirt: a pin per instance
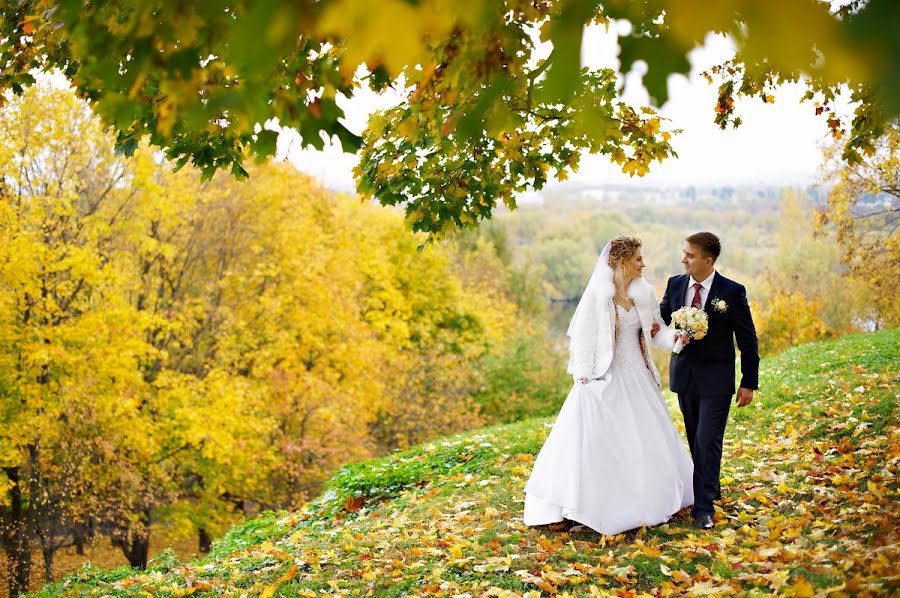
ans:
(704, 290)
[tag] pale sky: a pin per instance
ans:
(778, 144)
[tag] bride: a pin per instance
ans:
(613, 460)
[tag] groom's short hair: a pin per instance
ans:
(706, 242)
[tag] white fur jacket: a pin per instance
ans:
(592, 339)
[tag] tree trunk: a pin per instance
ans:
(135, 542)
(138, 543)
(79, 544)
(19, 545)
(48, 553)
(204, 542)
(139, 548)
(135, 547)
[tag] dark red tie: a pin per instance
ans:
(695, 302)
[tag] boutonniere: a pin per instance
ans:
(719, 305)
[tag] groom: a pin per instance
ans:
(703, 373)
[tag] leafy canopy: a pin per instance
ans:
(481, 118)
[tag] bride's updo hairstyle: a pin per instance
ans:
(622, 248)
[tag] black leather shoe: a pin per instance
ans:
(703, 521)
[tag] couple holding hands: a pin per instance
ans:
(614, 460)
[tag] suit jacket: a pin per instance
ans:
(710, 361)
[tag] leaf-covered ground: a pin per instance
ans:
(809, 508)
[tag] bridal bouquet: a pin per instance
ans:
(692, 320)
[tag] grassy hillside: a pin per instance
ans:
(809, 507)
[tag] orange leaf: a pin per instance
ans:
(292, 572)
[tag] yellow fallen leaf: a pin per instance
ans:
(802, 588)
(709, 588)
(874, 489)
(456, 551)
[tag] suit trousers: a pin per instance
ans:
(705, 416)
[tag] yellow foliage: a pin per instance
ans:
(373, 36)
(788, 319)
(214, 345)
(861, 215)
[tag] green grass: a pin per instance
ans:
(809, 505)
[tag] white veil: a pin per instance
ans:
(591, 318)
(591, 332)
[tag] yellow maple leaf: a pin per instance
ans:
(519, 470)
(456, 551)
(874, 489)
(802, 588)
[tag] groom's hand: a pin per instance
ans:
(744, 396)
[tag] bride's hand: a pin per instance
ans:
(685, 338)
(654, 329)
(584, 380)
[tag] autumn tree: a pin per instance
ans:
(178, 241)
(418, 308)
(803, 261)
(66, 334)
(788, 319)
(862, 214)
(483, 114)
(805, 291)
(181, 353)
(295, 327)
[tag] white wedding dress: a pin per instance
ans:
(613, 460)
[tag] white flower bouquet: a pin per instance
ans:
(691, 320)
